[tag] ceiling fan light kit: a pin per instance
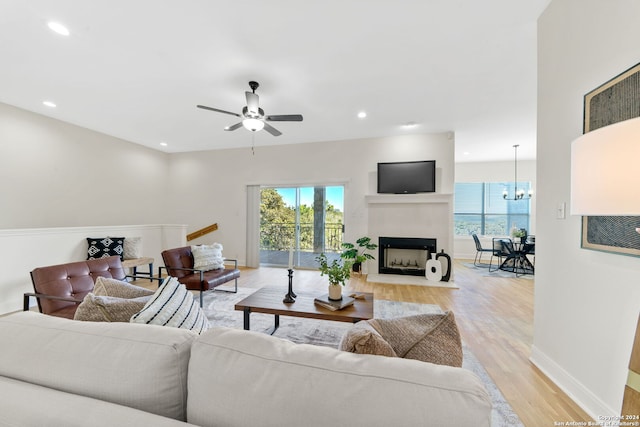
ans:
(253, 118)
(253, 125)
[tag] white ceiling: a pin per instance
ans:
(136, 69)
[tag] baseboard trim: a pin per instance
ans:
(576, 391)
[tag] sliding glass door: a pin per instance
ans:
(299, 223)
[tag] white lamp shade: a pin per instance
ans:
(605, 171)
(253, 125)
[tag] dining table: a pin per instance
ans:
(516, 256)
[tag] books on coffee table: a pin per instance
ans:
(324, 301)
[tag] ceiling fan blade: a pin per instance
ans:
(285, 118)
(204, 107)
(234, 127)
(273, 131)
(252, 102)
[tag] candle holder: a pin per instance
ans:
(290, 297)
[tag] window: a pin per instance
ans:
(307, 220)
(480, 208)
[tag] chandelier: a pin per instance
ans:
(519, 193)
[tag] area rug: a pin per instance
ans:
(483, 270)
(400, 279)
(219, 308)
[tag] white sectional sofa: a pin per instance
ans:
(55, 372)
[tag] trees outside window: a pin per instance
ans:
(305, 219)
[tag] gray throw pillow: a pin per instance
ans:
(431, 338)
(117, 288)
(362, 338)
(100, 308)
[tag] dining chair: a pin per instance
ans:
(531, 240)
(479, 250)
(508, 252)
(497, 251)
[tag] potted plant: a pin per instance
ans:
(338, 272)
(358, 255)
(521, 233)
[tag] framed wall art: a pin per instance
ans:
(612, 102)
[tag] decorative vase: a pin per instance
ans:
(433, 269)
(356, 267)
(335, 292)
(513, 231)
(447, 275)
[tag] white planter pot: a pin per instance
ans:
(433, 269)
(335, 292)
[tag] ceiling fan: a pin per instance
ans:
(253, 117)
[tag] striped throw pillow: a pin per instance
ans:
(173, 305)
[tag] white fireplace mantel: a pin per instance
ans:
(408, 198)
(424, 215)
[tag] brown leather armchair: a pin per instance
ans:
(179, 263)
(60, 288)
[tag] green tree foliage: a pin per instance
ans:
(276, 219)
(277, 224)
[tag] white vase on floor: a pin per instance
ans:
(433, 269)
(335, 292)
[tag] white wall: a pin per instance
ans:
(22, 250)
(212, 184)
(55, 174)
(496, 171)
(60, 182)
(463, 246)
(586, 302)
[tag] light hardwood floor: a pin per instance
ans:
(495, 317)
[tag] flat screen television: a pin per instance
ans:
(407, 177)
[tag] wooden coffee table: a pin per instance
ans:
(269, 300)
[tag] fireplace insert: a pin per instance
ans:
(404, 255)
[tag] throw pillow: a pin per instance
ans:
(117, 288)
(207, 257)
(173, 305)
(100, 308)
(103, 247)
(362, 338)
(132, 247)
(431, 338)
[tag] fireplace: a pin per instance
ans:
(404, 255)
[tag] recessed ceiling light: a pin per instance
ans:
(164, 144)
(409, 125)
(362, 115)
(466, 153)
(58, 28)
(49, 104)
